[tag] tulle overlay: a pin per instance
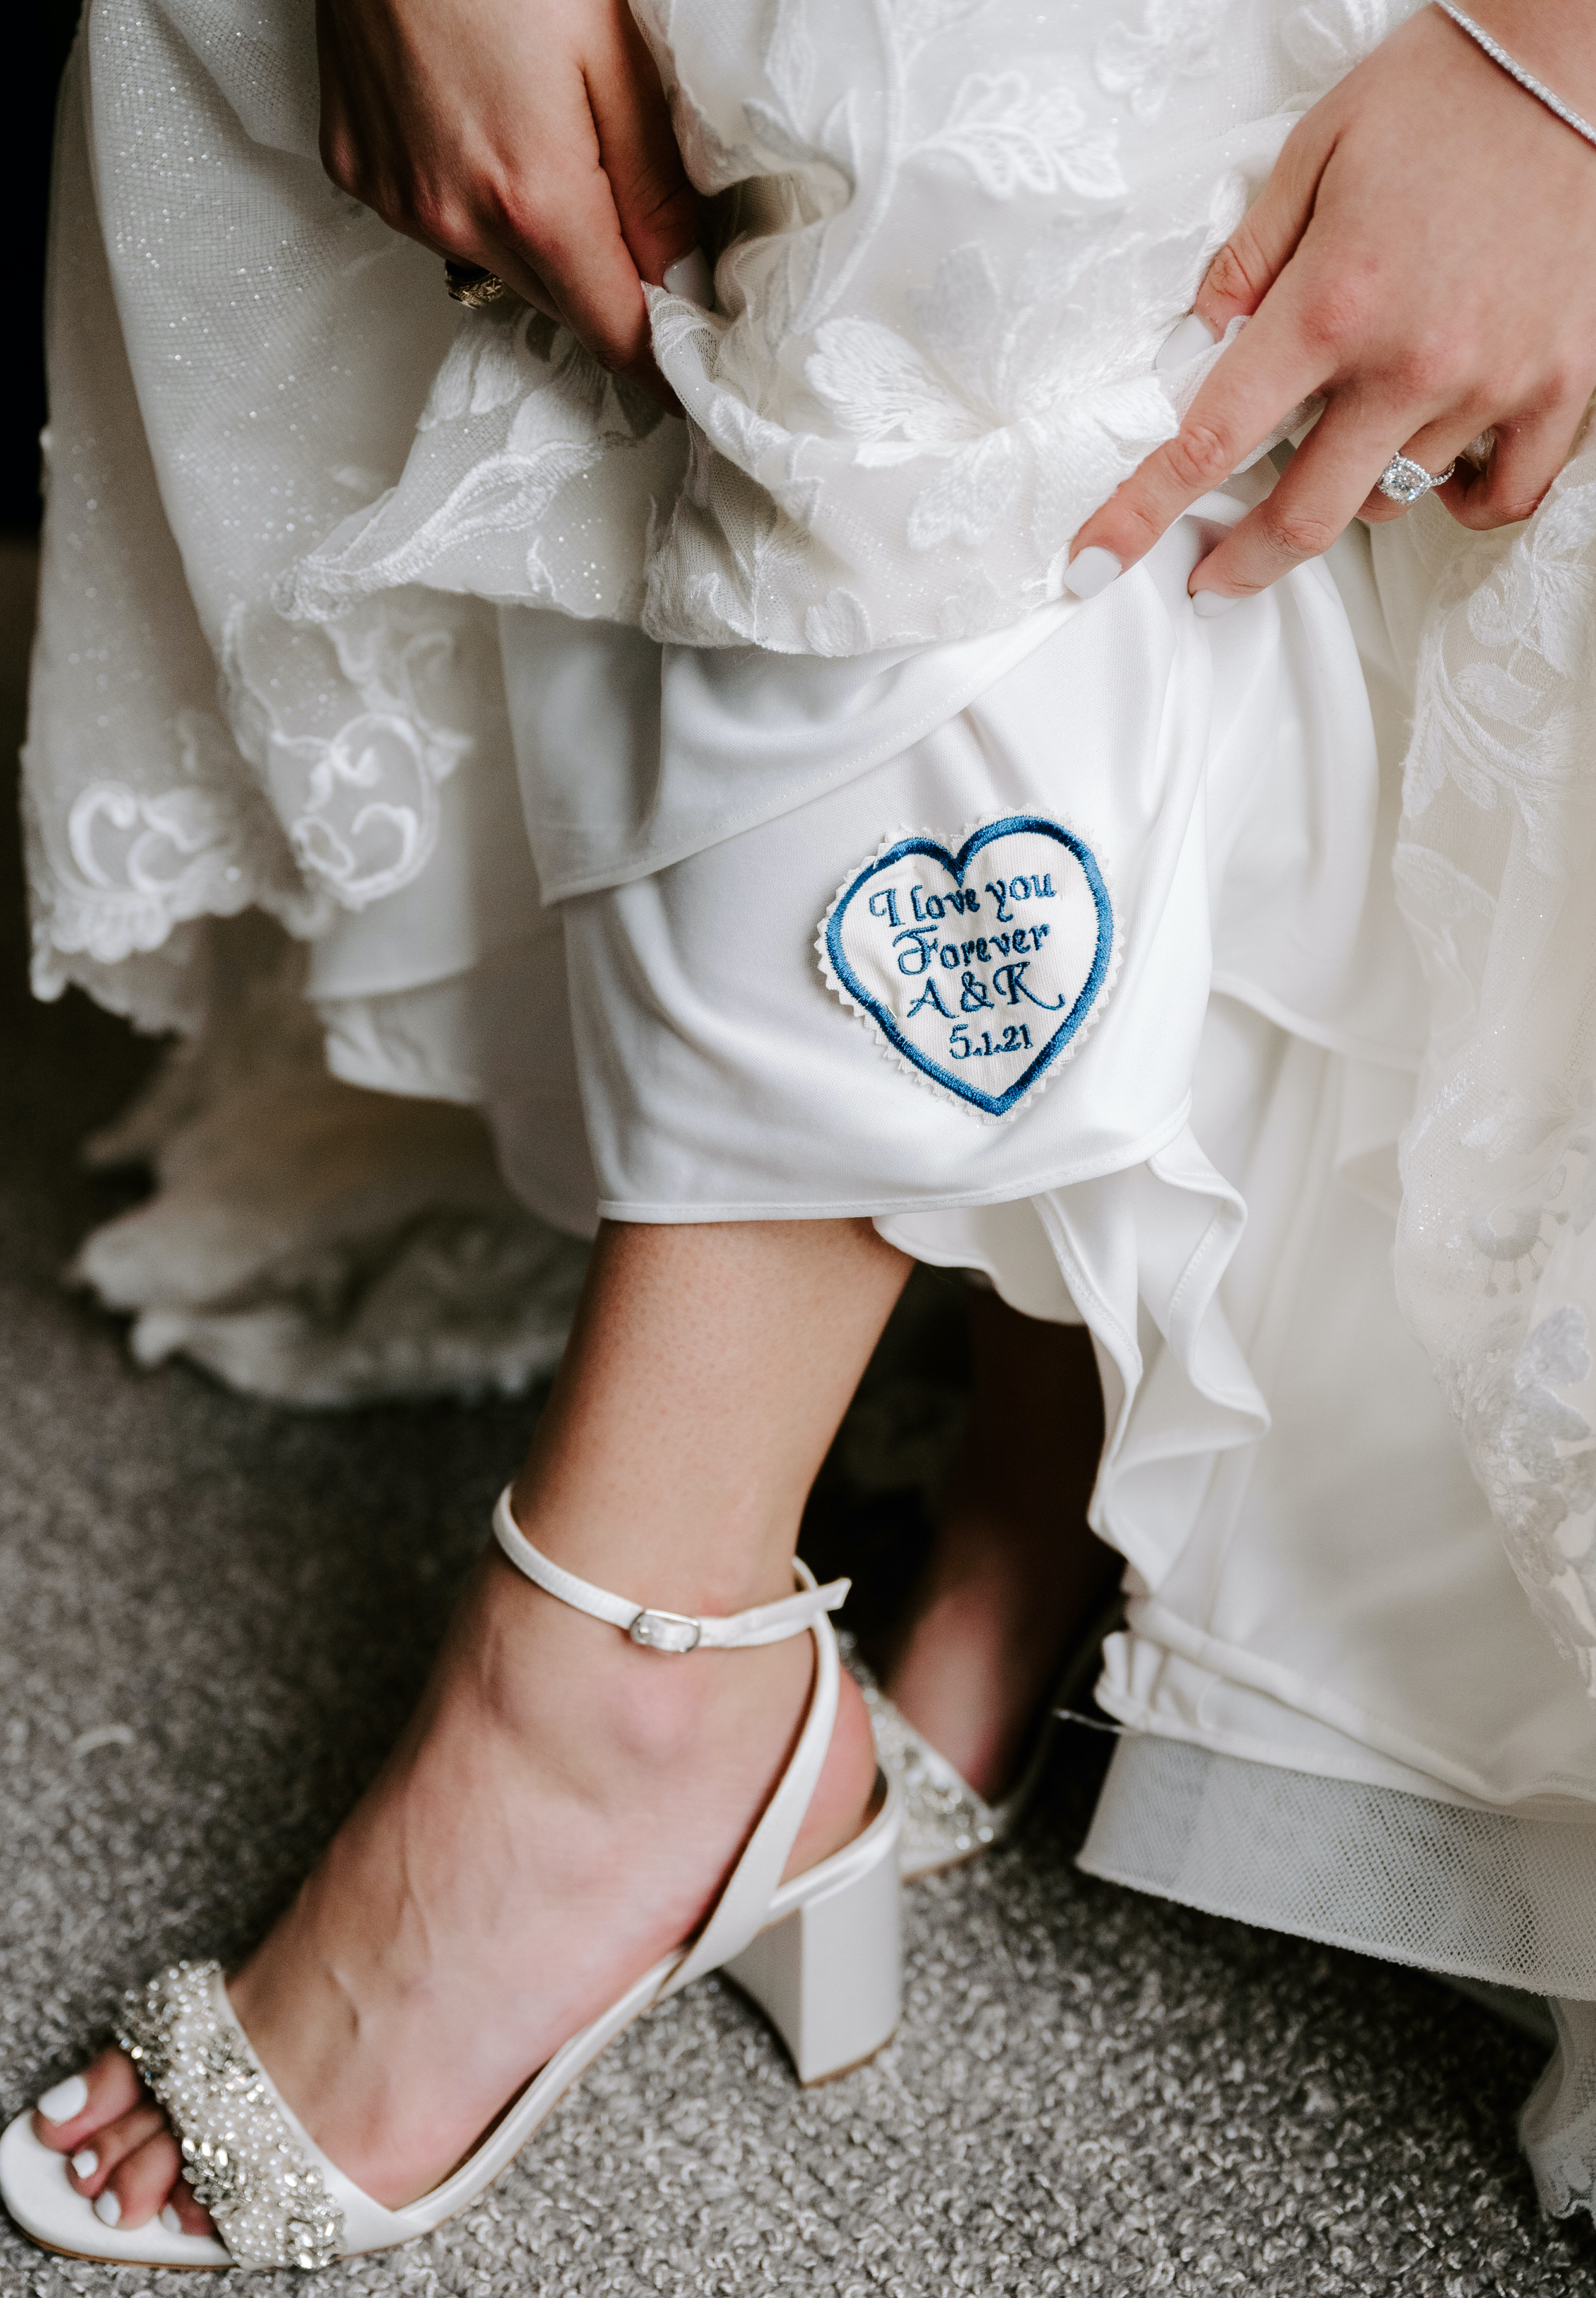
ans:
(406, 689)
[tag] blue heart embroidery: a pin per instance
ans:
(978, 967)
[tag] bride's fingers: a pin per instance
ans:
(545, 177)
(658, 207)
(612, 207)
(559, 230)
(1528, 455)
(1327, 481)
(542, 301)
(1263, 243)
(1272, 366)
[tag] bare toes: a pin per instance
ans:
(140, 2182)
(71, 2112)
(92, 2165)
(192, 2216)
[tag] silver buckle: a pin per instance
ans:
(666, 1632)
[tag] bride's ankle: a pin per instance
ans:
(684, 1555)
(605, 1711)
(609, 1711)
(544, 1673)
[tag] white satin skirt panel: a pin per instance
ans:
(1224, 777)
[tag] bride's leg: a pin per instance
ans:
(1013, 1573)
(563, 1807)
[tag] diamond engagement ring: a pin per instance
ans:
(1403, 481)
(476, 289)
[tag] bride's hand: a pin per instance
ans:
(529, 137)
(1425, 255)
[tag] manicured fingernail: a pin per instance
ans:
(86, 2161)
(690, 277)
(1209, 603)
(1187, 340)
(1091, 570)
(169, 2219)
(108, 2209)
(67, 2099)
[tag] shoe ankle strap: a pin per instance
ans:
(670, 1632)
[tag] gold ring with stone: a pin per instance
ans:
(476, 289)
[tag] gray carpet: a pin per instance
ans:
(212, 1616)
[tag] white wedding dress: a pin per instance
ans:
(553, 735)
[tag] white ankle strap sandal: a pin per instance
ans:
(820, 1954)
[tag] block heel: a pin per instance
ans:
(827, 1970)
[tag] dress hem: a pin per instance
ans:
(1457, 1890)
(879, 1208)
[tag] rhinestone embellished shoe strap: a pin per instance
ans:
(240, 2156)
(669, 1631)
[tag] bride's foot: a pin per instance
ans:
(561, 1813)
(1014, 1576)
(565, 1807)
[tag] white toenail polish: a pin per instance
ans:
(67, 2099)
(108, 2209)
(1209, 603)
(170, 2220)
(1187, 340)
(1091, 570)
(86, 2161)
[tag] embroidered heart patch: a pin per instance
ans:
(977, 968)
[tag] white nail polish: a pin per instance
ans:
(169, 2219)
(1186, 340)
(1091, 570)
(690, 277)
(86, 2161)
(108, 2209)
(65, 2100)
(1209, 603)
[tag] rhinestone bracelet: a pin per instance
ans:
(1515, 71)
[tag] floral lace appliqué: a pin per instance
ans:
(141, 862)
(1329, 36)
(359, 803)
(1496, 1250)
(1178, 39)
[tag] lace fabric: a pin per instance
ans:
(190, 755)
(314, 1242)
(885, 447)
(869, 463)
(1495, 1255)
(1558, 2126)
